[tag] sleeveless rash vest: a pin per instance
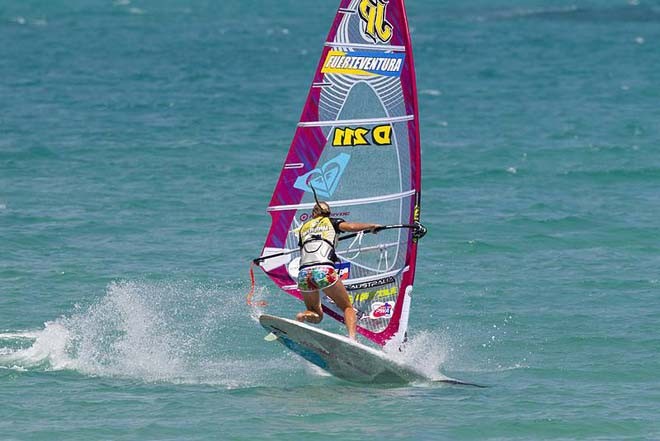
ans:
(318, 239)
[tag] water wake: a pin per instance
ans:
(427, 351)
(183, 333)
(153, 332)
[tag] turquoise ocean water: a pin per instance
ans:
(140, 141)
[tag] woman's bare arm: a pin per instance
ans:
(353, 227)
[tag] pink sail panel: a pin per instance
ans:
(357, 144)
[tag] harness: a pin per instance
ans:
(317, 239)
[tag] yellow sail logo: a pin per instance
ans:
(382, 293)
(349, 137)
(373, 13)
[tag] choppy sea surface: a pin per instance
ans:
(140, 141)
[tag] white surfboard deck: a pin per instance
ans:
(341, 356)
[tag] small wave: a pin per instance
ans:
(23, 21)
(48, 348)
(476, 246)
(430, 92)
(14, 368)
(26, 335)
(481, 175)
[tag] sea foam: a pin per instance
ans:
(152, 332)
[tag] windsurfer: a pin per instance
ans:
(317, 240)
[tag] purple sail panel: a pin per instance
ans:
(357, 144)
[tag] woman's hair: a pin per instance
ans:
(322, 209)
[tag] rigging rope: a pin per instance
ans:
(251, 293)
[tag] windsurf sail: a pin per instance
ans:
(357, 145)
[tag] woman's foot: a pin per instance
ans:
(308, 316)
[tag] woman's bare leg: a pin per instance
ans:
(338, 294)
(314, 312)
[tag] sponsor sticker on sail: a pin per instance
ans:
(343, 270)
(364, 63)
(381, 310)
(376, 26)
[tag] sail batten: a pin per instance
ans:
(346, 203)
(349, 122)
(357, 145)
(377, 47)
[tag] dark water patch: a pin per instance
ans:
(564, 373)
(559, 222)
(473, 178)
(544, 241)
(650, 174)
(619, 284)
(20, 219)
(28, 154)
(547, 425)
(590, 337)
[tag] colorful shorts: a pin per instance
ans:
(318, 277)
